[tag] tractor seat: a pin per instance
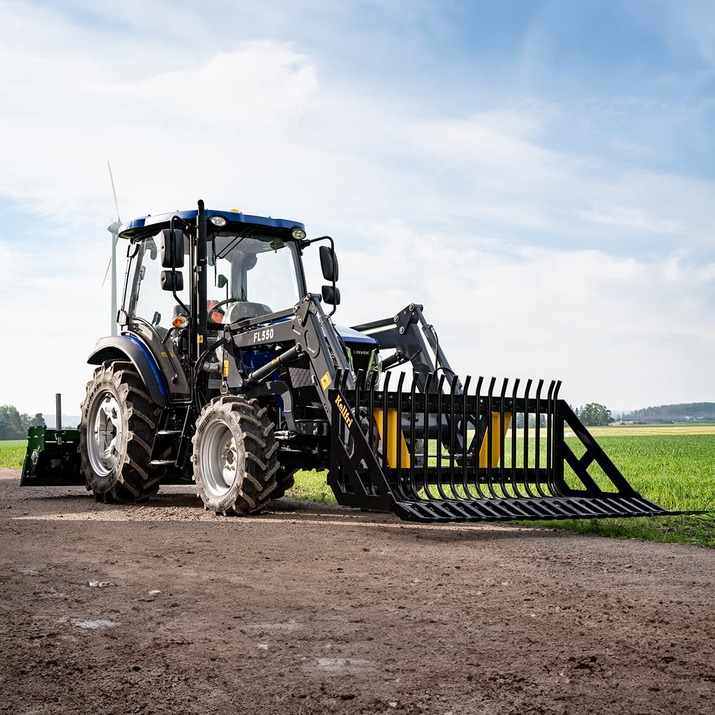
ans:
(245, 309)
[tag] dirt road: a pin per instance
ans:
(164, 608)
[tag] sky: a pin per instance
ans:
(538, 174)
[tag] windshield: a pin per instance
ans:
(248, 276)
(251, 276)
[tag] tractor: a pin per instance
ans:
(228, 374)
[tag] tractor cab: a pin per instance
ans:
(251, 265)
(186, 282)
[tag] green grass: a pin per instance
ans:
(12, 452)
(676, 470)
(312, 486)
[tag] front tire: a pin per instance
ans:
(116, 433)
(234, 456)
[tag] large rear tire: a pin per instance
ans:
(116, 433)
(234, 456)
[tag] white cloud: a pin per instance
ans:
(532, 257)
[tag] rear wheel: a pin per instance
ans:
(116, 433)
(234, 456)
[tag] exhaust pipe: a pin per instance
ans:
(58, 418)
(58, 412)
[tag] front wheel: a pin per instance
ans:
(234, 456)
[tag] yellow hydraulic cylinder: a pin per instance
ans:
(495, 432)
(390, 440)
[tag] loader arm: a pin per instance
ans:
(414, 340)
(303, 331)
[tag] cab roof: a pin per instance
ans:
(147, 226)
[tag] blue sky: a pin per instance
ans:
(537, 174)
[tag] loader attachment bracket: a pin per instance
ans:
(355, 476)
(413, 339)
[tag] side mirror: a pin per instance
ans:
(331, 295)
(329, 264)
(171, 247)
(172, 280)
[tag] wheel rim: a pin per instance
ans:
(218, 459)
(106, 424)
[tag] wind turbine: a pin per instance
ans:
(113, 228)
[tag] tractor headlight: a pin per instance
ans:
(298, 233)
(219, 221)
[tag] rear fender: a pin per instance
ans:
(131, 348)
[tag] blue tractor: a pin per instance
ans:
(228, 374)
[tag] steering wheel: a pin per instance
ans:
(218, 308)
(221, 303)
(246, 309)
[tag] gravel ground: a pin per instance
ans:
(165, 608)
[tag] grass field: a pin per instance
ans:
(673, 465)
(12, 452)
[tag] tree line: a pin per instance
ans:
(592, 415)
(681, 412)
(597, 415)
(14, 425)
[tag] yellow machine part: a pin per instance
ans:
(390, 441)
(495, 432)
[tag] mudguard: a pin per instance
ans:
(130, 347)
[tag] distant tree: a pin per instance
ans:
(594, 415)
(11, 426)
(14, 425)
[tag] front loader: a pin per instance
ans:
(229, 374)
